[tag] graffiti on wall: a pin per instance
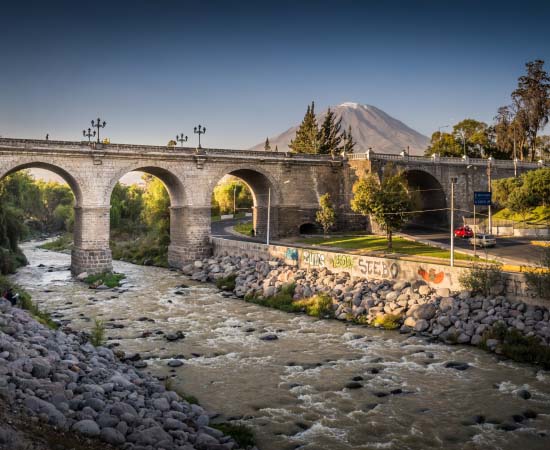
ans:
(342, 262)
(379, 268)
(291, 253)
(313, 259)
(431, 276)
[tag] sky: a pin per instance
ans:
(247, 70)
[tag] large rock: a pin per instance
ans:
(112, 436)
(425, 311)
(87, 428)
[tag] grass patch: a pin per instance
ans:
(147, 250)
(25, 302)
(319, 305)
(517, 347)
(109, 279)
(62, 243)
(380, 244)
(536, 216)
(387, 321)
(97, 336)
(241, 433)
(226, 283)
(246, 228)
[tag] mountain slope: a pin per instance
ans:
(370, 126)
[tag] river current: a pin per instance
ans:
(292, 391)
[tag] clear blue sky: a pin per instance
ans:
(246, 70)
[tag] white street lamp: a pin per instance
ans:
(453, 181)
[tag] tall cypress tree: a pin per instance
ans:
(349, 143)
(330, 136)
(307, 135)
(267, 146)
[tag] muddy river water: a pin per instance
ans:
(292, 391)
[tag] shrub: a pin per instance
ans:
(97, 336)
(226, 283)
(241, 433)
(539, 280)
(481, 277)
(319, 305)
(282, 300)
(388, 321)
(109, 279)
(64, 242)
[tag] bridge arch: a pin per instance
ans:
(71, 180)
(429, 196)
(265, 192)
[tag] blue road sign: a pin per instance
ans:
(482, 198)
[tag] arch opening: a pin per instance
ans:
(429, 197)
(309, 228)
(240, 200)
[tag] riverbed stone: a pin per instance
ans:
(112, 436)
(87, 427)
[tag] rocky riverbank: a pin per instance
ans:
(68, 387)
(514, 329)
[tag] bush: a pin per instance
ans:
(539, 280)
(246, 228)
(319, 305)
(64, 242)
(109, 279)
(481, 277)
(241, 433)
(226, 283)
(282, 300)
(97, 336)
(388, 321)
(517, 347)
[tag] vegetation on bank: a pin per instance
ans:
(97, 335)
(242, 434)
(482, 277)
(245, 228)
(372, 243)
(226, 283)
(319, 305)
(109, 279)
(59, 244)
(25, 302)
(517, 347)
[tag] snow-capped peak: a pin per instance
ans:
(353, 105)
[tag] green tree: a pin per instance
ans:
(326, 216)
(349, 143)
(267, 145)
(533, 97)
(330, 136)
(307, 135)
(388, 201)
(444, 144)
(156, 208)
(231, 190)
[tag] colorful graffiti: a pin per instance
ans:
(291, 253)
(313, 259)
(378, 268)
(342, 262)
(431, 276)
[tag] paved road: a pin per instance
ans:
(518, 249)
(219, 229)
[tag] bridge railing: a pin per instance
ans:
(504, 163)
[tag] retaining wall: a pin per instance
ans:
(436, 275)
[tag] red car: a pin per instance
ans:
(464, 232)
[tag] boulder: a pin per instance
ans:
(87, 427)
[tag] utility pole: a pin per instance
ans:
(268, 212)
(453, 181)
(234, 200)
(489, 161)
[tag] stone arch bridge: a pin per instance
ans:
(293, 183)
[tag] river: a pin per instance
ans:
(291, 391)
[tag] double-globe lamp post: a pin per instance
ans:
(200, 130)
(98, 125)
(181, 138)
(89, 134)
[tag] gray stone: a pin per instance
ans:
(421, 325)
(161, 404)
(175, 363)
(87, 428)
(112, 436)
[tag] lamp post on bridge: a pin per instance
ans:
(98, 125)
(200, 130)
(89, 134)
(181, 138)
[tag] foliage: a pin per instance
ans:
(517, 347)
(242, 434)
(532, 96)
(246, 228)
(388, 321)
(97, 335)
(481, 277)
(109, 279)
(388, 201)
(231, 190)
(145, 250)
(226, 283)
(319, 305)
(349, 143)
(62, 243)
(539, 280)
(282, 300)
(471, 135)
(25, 302)
(326, 216)
(330, 135)
(307, 135)
(156, 208)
